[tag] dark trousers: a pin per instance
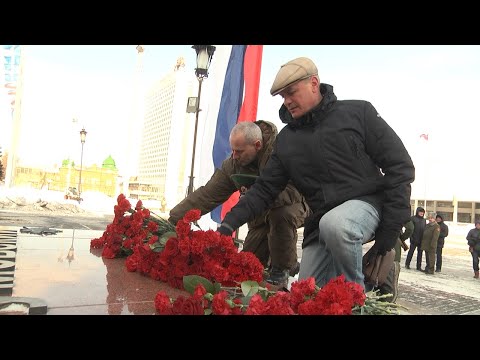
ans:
(439, 258)
(475, 255)
(274, 240)
(414, 246)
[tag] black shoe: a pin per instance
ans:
(438, 270)
(278, 278)
(295, 270)
(420, 269)
(407, 266)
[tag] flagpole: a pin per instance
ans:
(426, 173)
(425, 137)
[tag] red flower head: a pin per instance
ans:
(220, 305)
(163, 305)
(183, 228)
(192, 215)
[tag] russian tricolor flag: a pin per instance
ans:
(238, 102)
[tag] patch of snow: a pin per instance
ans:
(14, 309)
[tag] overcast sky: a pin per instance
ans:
(417, 89)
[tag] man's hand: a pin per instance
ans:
(225, 229)
(385, 240)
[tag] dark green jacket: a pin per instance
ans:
(407, 231)
(430, 236)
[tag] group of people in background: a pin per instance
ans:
(428, 236)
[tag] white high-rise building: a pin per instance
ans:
(12, 80)
(167, 138)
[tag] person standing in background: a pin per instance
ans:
(429, 242)
(473, 239)
(441, 242)
(416, 239)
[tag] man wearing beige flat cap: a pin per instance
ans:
(352, 168)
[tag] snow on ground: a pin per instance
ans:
(53, 202)
(14, 309)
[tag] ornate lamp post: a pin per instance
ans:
(204, 57)
(83, 135)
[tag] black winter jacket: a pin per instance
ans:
(340, 150)
(443, 234)
(419, 223)
(473, 237)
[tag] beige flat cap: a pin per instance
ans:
(291, 72)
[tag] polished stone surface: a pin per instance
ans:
(73, 279)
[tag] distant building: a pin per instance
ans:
(99, 179)
(167, 140)
(11, 78)
(451, 210)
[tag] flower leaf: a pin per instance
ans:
(217, 287)
(190, 282)
(246, 300)
(249, 288)
(157, 246)
(124, 252)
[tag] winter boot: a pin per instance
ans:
(476, 275)
(295, 270)
(278, 279)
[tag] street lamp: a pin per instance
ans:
(204, 57)
(71, 251)
(83, 135)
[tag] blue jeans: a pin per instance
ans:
(342, 232)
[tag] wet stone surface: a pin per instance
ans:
(438, 301)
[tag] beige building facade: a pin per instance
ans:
(102, 179)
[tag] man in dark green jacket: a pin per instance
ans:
(429, 242)
(272, 235)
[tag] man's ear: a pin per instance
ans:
(315, 83)
(258, 145)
